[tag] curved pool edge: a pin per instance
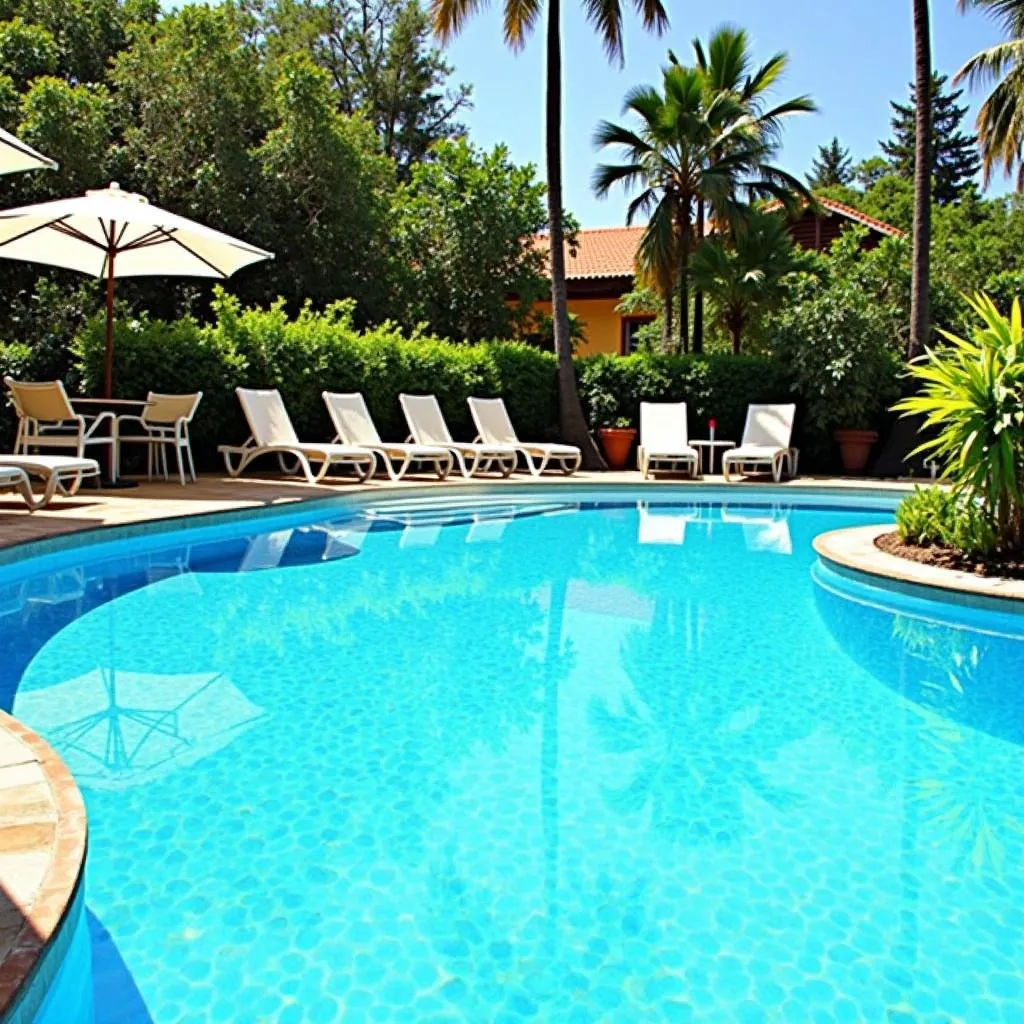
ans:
(43, 840)
(853, 550)
(353, 496)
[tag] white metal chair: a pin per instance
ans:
(765, 443)
(355, 426)
(273, 434)
(46, 419)
(164, 424)
(494, 427)
(663, 439)
(427, 426)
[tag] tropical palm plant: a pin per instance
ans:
(1001, 118)
(744, 275)
(520, 18)
(972, 394)
(695, 145)
(727, 63)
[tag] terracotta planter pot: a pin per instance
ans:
(855, 447)
(617, 443)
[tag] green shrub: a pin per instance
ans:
(936, 516)
(716, 387)
(972, 395)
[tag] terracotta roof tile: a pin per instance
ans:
(601, 252)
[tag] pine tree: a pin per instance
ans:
(955, 155)
(832, 166)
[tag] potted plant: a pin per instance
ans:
(843, 364)
(617, 442)
(615, 431)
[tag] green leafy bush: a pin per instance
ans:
(936, 516)
(972, 395)
(840, 357)
(716, 387)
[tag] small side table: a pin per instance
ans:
(710, 447)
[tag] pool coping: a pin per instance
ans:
(42, 813)
(854, 548)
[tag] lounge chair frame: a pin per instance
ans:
(358, 428)
(272, 433)
(761, 445)
(663, 418)
(494, 427)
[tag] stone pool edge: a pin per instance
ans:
(32, 824)
(854, 549)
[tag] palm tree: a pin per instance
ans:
(520, 18)
(691, 144)
(744, 275)
(922, 181)
(727, 63)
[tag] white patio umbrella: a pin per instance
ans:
(16, 156)
(110, 233)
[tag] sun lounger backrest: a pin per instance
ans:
(492, 421)
(770, 426)
(351, 418)
(663, 426)
(267, 417)
(425, 419)
(45, 401)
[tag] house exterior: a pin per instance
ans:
(599, 270)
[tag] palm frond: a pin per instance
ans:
(519, 20)
(449, 16)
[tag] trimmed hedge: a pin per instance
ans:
(314, 352)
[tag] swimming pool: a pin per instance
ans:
(551, 759)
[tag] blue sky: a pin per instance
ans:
(852, 58)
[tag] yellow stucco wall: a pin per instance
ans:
(602, 325)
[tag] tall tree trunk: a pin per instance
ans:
(570, 410)
(698, 298)
(667, 316)
(922, 181)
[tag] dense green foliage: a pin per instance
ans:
(933, 516)
(304, 128)
(714, 387)
(971, 394)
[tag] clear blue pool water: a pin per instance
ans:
(552, 762)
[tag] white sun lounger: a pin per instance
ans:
(765, 443)
(494, 427)
(272, 433)
(61, 474)
(663, 439)
(355, 426)
(427, 427)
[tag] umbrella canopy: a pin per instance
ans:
(110, 233)
(16, 156)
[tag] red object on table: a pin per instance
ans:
(712, 424)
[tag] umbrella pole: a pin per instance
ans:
(108, 367)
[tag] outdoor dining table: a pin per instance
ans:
(113, 405)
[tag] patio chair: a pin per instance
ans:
(494, 427)
(765, 443)
(355, 426)
(46, 419)
(427, 426)
(60, 474)
(164, 424)
(272, 433)
(663, 439)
